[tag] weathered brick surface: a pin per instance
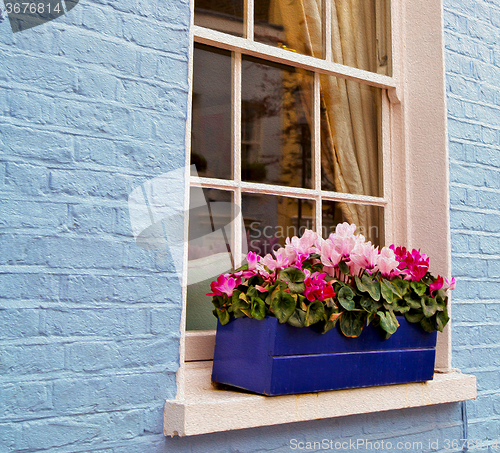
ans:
(472, 35)
(89, 322)
(93, 105)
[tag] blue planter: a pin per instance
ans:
(278, 359)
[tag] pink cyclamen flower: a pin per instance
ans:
(387, 263)
(223, 285)
(304, 245)
(330, 257)
(450, 284)
(437, 285)
(252, 259)
(317, 288)
(345, 230)
(364, 256)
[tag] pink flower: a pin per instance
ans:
(387, 263)
(363, 256)
(252, 259)
(223, 285)
(317, 288)
(437, 285)
(450, 284)
(330, 257)
(415, 264)
(305, 245)
(345, 230)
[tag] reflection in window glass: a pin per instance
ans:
(368, 219)
(209, 251)
(350, 137)
(221, 15)
(293, 25)
(276, 124)
(270, 219)
(211, 114)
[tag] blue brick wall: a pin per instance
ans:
(94, 104)
(91, 106)
(472, 31)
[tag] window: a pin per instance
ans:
(292, 132)
(294, 142)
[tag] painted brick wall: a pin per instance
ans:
(472, 31)
(91, 106)
(94, 104)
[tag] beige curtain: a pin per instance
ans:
(350, 111)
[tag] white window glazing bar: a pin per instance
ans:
(278, 55)
(385, 160)
(327, 29)
(249, 19)
(317, 150)
(236, 116)
(294, 192)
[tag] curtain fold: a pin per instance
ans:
(350, 111)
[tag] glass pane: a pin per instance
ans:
(293, 25)
(211, 115)
(276, 124)
(270, 219)
(210, 251)
(368, 219)
(350, 137)
(361, 34)
(221, 15)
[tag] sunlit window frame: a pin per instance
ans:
(416, 203)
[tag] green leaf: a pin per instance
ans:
(296, 288)
(345, 297)
(388, 322)
(315, 313)
(367, 285)
(387, 292)
(223, 316)
(419, 287)
(352, 323)
(414, 317)
(400, 287)
(331, 321)
(368, 304)
(428, 324)
(400, 306)
(258, 308)
(442, 319)
(429, 306)
(219, 301)
(416, 304)
(441, 303)
(282, 306)
(292, 275)
(344, 268)
(298, 318)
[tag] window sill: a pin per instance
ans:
(206, 409)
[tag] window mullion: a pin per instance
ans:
(236, 137)
(249, 19)
(327, 29)
(317, 149)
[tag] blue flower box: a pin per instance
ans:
(270, 358)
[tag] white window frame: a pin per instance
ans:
(416, 212)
